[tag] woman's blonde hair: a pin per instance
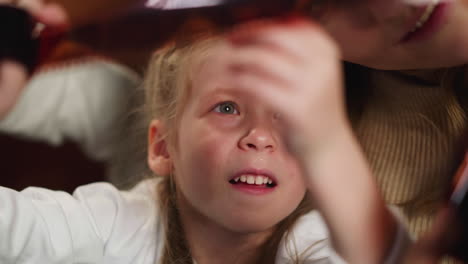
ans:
(167, 87)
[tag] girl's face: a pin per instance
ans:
(231, 167)
(378, 33)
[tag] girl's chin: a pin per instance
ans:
(250, 228)
(251, 224)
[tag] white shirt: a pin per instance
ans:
(83, 101)
(101, 225)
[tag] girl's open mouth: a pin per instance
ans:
(253, 181)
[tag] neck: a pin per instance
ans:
(429, 76)
(210, 242)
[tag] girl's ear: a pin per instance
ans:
(159, 160)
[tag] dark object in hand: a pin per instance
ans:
(136, 29)
(17, 42)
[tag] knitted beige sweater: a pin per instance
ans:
(411, 131)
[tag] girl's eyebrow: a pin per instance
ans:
(220, 93)
(223, 91)
(213, 94)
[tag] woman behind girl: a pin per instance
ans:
(240, 162)
(410, 110)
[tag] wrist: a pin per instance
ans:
(337, 140)
(344, 191)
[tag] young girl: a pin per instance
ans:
(240, 163)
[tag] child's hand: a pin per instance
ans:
(294, 66)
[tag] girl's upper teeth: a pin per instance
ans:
(425, 16)
(254, 179)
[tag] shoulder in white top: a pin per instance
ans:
(101, 225)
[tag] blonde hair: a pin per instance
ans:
(167, 87)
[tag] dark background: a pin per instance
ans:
(26, 163)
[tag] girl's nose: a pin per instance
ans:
(258, 139)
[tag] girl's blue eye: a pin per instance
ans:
(229, 108)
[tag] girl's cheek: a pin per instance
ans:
(224, 122)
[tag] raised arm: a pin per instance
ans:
(298, 71)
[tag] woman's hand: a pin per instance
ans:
(13, 75)
(50, 14)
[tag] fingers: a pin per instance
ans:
(32, 6)
(278, 83)
(295, 56)
(281, 50)
(286, 51)
(292, 67)
(264, 63)
(299, 38)
(51, 14)
(264, 89)
(13, 77)
(7, 2)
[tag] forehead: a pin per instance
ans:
(211, 68)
